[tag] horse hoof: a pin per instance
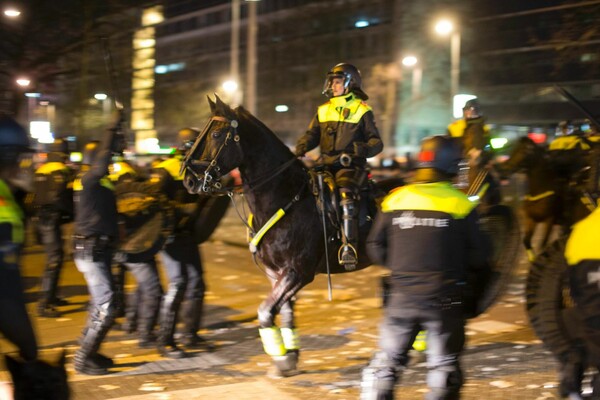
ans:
(284, 366)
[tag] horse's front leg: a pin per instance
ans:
(282, 344)
(529, 229)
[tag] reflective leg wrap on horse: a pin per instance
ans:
(379, 378)
(86, 359)
(348, 255)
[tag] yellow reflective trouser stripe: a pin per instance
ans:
(272, 341)
(291, 340)
(420, 344)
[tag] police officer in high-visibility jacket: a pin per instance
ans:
(427, 234)
(181, 259)
(53, 201)
(583, 256)
(345, 130)
(94, 240)
(15, 324)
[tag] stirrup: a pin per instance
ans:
(348, 257)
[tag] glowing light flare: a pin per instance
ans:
(444, 27)
(230, 86)
(12, 12)
(409, 61)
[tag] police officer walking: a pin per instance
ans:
(53, 201)
(181, 258)
(427, 234)
(15, 324)
(96, 232)
(345, 130)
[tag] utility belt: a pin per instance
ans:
(93, 248)
(448, 302)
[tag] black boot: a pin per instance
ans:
(168, 321)
(132, 312)
(148, 310)
(119, 292)
(192, 317)
(347, 255)
(46, 305)
(87, 360)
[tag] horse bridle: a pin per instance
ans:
(210, 182)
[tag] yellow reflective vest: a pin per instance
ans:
(583, 241)
(11, 213)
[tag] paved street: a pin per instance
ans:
(503, 359)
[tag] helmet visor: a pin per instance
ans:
(328, 86)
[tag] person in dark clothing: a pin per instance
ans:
(345, 130)
(181, 259)
(15, 179)
(583, 256)
(53, 201)
(95, 234)
(143, 305)
(427, 234)
(473, 134)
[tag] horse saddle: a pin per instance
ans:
(328, 197)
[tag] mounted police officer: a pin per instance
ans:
(96, 233)
(427, 234)
(53, 201)
(181, 258)
(15, 324)
(474, 136)
(583, 256)
(344, 128)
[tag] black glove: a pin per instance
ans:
(361, 149)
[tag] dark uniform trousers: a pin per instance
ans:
(49, 227)
(181, 259)
(584, 280)
(445, 342)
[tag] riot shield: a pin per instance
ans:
(146, 220)
(549, 305)
(500, 224)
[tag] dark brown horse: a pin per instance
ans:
(549, 200)
(276, 185)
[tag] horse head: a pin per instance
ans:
(524, 154)
(215, 152)
(39, 380)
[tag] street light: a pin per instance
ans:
(445, 27)
(11, 12)
(23, 82)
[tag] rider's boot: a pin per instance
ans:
(347, 255)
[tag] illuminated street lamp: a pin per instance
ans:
(11, 12)
(230, 86)
(23, 82)
(445, 27)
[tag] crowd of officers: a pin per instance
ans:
(57, 194)
(427, 233)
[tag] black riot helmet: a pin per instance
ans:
(59, 146)
(90, 151)
(438, 159)
(187, 137)
(14, 140)
(472, 109)
(352, 80)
